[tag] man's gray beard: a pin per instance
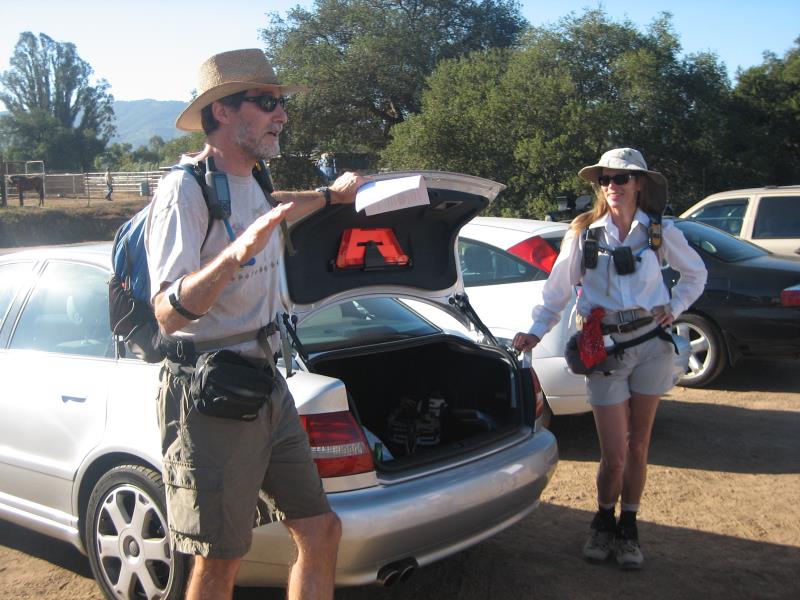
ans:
(261, 148)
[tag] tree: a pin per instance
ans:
(565, 95)
(767, 110)
(56, 114)
(366, 62)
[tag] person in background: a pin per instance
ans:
(109, 180)
(625, 281)
(327, 166)
(220, 289)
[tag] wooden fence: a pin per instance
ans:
(92, 185)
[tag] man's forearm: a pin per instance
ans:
(304, 202)
(199, 291)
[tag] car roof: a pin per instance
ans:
(769, 190)
(93, 252)
(505, 232)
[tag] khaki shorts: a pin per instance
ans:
(646, 368)
(215, 469)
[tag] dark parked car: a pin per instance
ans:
(750, 307)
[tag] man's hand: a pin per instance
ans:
(663, 316)
(343, 190)
(255, 238)
(524, 341)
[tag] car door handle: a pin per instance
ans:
(66, 399)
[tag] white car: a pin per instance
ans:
(505, 264)
(768, 216)
(426, 439)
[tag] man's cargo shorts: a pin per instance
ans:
(214, 469)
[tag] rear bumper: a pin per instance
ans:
(427, 518)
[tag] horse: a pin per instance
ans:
(28, 183)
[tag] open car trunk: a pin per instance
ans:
(425, 402)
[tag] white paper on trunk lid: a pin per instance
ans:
(392, 194)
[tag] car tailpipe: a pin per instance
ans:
(397, 571)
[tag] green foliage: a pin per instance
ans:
(56, 114)
(532, 116)
(767, 113)
(366, 62)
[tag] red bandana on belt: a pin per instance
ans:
(590, 342)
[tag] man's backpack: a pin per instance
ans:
(131, 315)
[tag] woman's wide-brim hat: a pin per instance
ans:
(630, 159)
(228, 73)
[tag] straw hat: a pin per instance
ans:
(227, 73)
(629, 159)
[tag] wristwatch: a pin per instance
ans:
(174, 296)
(325, 191)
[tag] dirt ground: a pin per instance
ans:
(720, 518)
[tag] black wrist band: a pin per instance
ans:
(325, 191)
(175, 302)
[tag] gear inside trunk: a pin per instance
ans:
(421, 403)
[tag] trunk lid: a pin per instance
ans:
(315, 277)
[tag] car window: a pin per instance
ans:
(778, 217)
(360, 322)
(718, 243)
(67, 312)
(727, 215)
(13, 276)
(482, 264)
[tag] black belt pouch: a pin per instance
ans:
(227, 385)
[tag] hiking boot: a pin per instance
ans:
(626, 547)
(600, 543)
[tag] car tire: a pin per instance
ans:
(127, 538)
(707, 353)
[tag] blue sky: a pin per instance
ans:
(152, 48)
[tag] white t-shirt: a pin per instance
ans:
(604, 287)
(176, 227)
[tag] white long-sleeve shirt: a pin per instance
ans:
(604, 287)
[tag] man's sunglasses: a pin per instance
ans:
(619, 179)
(266, 102)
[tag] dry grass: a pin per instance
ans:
(65, 220)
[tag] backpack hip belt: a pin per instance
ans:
(186, 351)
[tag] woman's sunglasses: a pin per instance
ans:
(619, 179)
(266, 102)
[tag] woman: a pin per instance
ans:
(620, 272)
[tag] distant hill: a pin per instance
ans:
(139, 120)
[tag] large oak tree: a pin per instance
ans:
(366, 61)
(531, 117)
(56, 113)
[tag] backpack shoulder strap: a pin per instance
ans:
(197, 171)
(655, 239)
(587, 234)
(262, 176)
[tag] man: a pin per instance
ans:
(209, 289)
(109, 184)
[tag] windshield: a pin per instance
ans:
(361, 322)
(717, 243)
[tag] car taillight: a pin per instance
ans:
(338, 444)
(791, 296)
(537, 252)
(537, 392)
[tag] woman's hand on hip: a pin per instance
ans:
(524, 341)
(663, 315)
